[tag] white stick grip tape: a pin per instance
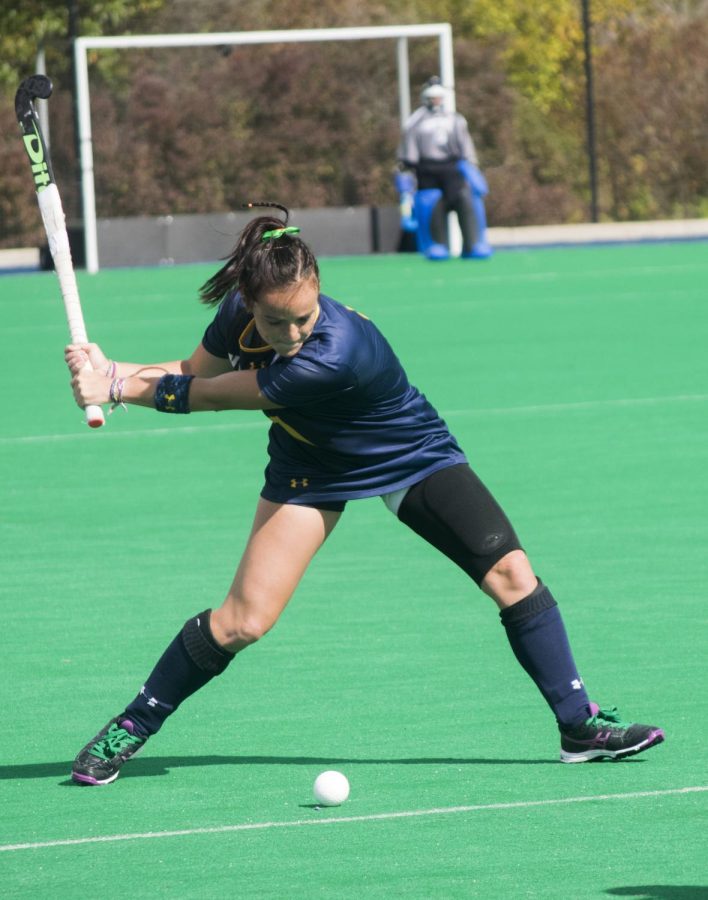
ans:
(58, 239)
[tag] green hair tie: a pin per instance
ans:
(279, 232)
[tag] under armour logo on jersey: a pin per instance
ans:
(301, 482)
(577, 684)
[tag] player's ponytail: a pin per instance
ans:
(268, 256)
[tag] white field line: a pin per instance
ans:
(339, 820)
(579, 406)
(107, 434)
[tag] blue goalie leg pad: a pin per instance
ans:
(436, 252)
(405, 185)
(480, 249)
(425, 203)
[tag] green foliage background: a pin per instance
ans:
(315, 125)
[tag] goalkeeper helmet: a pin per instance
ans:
(433, 93)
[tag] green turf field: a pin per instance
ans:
(577, 381)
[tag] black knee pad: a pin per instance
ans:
(202, 648)
(454, 511)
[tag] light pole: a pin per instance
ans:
(72, 34)
(590, 108)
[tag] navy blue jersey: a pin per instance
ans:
(351, 425)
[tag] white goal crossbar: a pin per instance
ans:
(400, 33)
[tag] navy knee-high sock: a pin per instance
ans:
(190, 661)
(538, 638)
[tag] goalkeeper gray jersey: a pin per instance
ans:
(436, 136)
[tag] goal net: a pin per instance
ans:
(208, 99)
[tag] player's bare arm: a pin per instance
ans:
(230, 390)
(138, 381)
(201, 363)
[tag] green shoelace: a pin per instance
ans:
(608, 716)
(115, 739)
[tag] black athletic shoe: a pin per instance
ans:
(604, 736)
(100, 760)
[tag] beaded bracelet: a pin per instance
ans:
(115, 394)
(172, 393)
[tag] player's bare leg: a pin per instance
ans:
(510, 579)
(283, 540)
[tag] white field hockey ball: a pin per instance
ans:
(331, 788)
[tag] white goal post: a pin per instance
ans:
(399, 33)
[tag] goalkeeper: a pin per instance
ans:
(437, 146)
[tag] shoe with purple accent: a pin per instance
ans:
(604, 736)
(101, 759)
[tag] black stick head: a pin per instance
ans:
(32, 88)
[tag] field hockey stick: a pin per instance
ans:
(39, 86)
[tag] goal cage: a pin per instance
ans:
(400, 34)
